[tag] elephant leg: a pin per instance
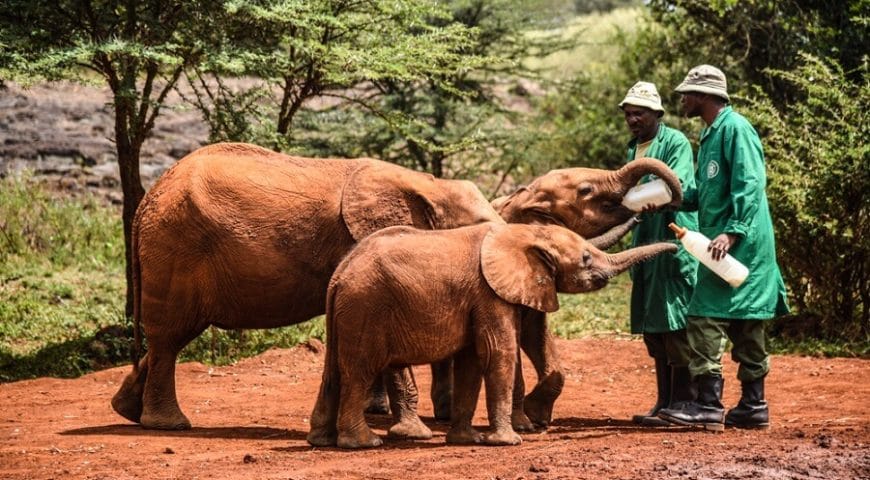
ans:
(442, 389)
(538, 343)
(403, 402)
(466, 388)
(160, 408)
(353, 431)
(324, 418)
(499, 378)
(127, 401)
(519, 420)
(378, 403)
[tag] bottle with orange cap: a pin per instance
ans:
(729, 268)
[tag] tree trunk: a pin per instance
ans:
(131, 186)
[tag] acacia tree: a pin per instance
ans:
(138, 48)
(276, 57)
(470, 130)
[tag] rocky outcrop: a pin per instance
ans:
(64, 132)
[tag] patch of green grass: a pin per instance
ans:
(604, 311)
(222, 347)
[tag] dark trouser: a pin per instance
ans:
(674, 346)
(670, 350)
(708, 338)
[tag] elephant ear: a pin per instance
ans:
(380, 195)
(518, 268)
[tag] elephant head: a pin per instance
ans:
(380, 194)
(587, 201)
(530, 264)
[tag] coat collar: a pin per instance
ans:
(716, 122)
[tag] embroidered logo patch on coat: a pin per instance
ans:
(712, 169)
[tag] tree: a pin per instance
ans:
(139, 48)
(745, 38)
(278, 57)
(470, 129)
(819, 182)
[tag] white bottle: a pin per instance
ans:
(655, 192)
(729, 268)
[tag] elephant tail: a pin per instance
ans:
(331, 373)
(136, 351)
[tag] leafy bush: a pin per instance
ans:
(817, 155)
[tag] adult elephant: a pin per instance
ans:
(237, 236)
(588, 202)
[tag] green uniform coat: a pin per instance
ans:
(662, 287)
(730, 198)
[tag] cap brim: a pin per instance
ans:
(683, 88)
(641, 103)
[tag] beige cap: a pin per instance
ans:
(643, 94)
(705, 79)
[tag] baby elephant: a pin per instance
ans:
(406, 297)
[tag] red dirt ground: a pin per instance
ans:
(250, 421)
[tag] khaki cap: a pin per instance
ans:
(643, 94)
(705, 79)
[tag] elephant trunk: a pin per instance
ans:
(609, 238)
(622, 261)
(628, 176)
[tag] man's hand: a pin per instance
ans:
(721, 245)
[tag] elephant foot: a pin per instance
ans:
(521, 422)
(363, 440)
(464, 436)
(538, 405)
(502, 437)
(411, 428)
(176, 421)
(128, 405)
(127, 401)
(322, 437)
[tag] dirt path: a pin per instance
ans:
(250, 421)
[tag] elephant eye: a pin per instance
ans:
(584, 190)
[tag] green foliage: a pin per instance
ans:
(61, 271)
(580, 119)
(819, 181)
(603, 312)
(222, 347)
(315, 49)
(745, 38)
(467, 131)
(36, 228)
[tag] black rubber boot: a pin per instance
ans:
(751, 411)
(706, 411)
(682, 389)
(663, 386)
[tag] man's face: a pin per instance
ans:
(690, 104)
(641, 121)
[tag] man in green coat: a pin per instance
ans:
(733, 212)
(661, 287)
